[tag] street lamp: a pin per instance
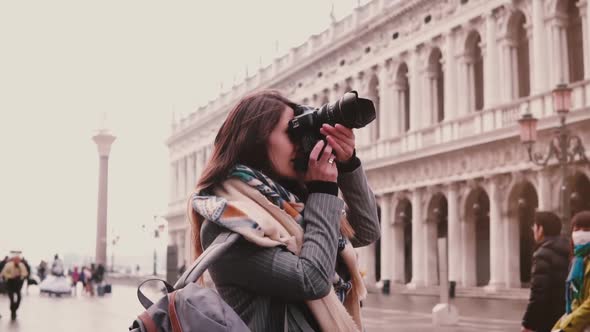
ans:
(156, 230)
(114, 242)
(564, 146)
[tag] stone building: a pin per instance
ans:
(450, 79)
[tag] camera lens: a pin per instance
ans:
(350, 111)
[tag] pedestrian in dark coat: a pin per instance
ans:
(549, 271)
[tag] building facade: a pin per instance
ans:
(449, 79)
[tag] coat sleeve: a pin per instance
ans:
(278, 272)
(578, 320)
(362, 208)
(540, 281)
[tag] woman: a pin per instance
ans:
(281, 274)
(577, 294)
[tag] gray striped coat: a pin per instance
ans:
(258, 283)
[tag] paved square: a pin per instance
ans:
(115, 312)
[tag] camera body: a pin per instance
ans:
(304, 129)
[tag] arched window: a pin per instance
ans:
(374, 96)
(474, 72)
(403, 91)
(575, 41)
(436, 80)
(520, 49)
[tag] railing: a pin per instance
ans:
(476, 123)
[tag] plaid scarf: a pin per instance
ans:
(271, 216)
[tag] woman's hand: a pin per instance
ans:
(341, 139)
(321, 168)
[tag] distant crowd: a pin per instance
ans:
(15, 270)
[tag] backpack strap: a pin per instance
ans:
(222, 242)
(172, 312)
(145, 302)
(148, 322)
(218, 247)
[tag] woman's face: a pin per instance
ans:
(281, 151)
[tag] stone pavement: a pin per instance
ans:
(381, 313)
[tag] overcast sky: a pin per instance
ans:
(64, 63)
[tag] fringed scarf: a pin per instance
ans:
(575, 280)
(266, 214)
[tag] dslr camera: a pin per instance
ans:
(304, 129)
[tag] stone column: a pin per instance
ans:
(544, 191)
(451, 85)
(539, 64)
(361, 83)
(395, 113)
(415, 102)
(469, 72)
(191, 169)
(183, 176)
(417, 240)
(560, 51)
(468, 266)
(454, 233)
(397, 248)
(385, 110)
(181, 247)
(386, 252)
(103, 141)
(496, 248)
(172, 183)
(585, 13)
(198, 165)
(189, 252)
(490, 63)
(431, 78)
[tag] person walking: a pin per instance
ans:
(577, 306)
(15, 273)
(549, 271)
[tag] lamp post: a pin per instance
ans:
(155, 230)
(565, 147)
(114, 243)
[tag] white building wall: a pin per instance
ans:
(467, 147)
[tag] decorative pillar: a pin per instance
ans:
(172, 183)
(539, 64)
(384, 116)
(560, 51)
(431, 78)
(425, 116)
(190, 183)
(417, 240)
(454, 233)
(544, 191)
(395, 114)
(490, 63)
(361, 82)
(496, 249)
(451, 85)
(386, 252)
(461, 103)
(469, 81)
(468, 263)
(188, 251)
(397, 248)
(181, 247)
(415, 102)
(585, 13)
(103, 141)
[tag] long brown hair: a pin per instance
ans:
(241, 139)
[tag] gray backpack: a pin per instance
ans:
(188, 306)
